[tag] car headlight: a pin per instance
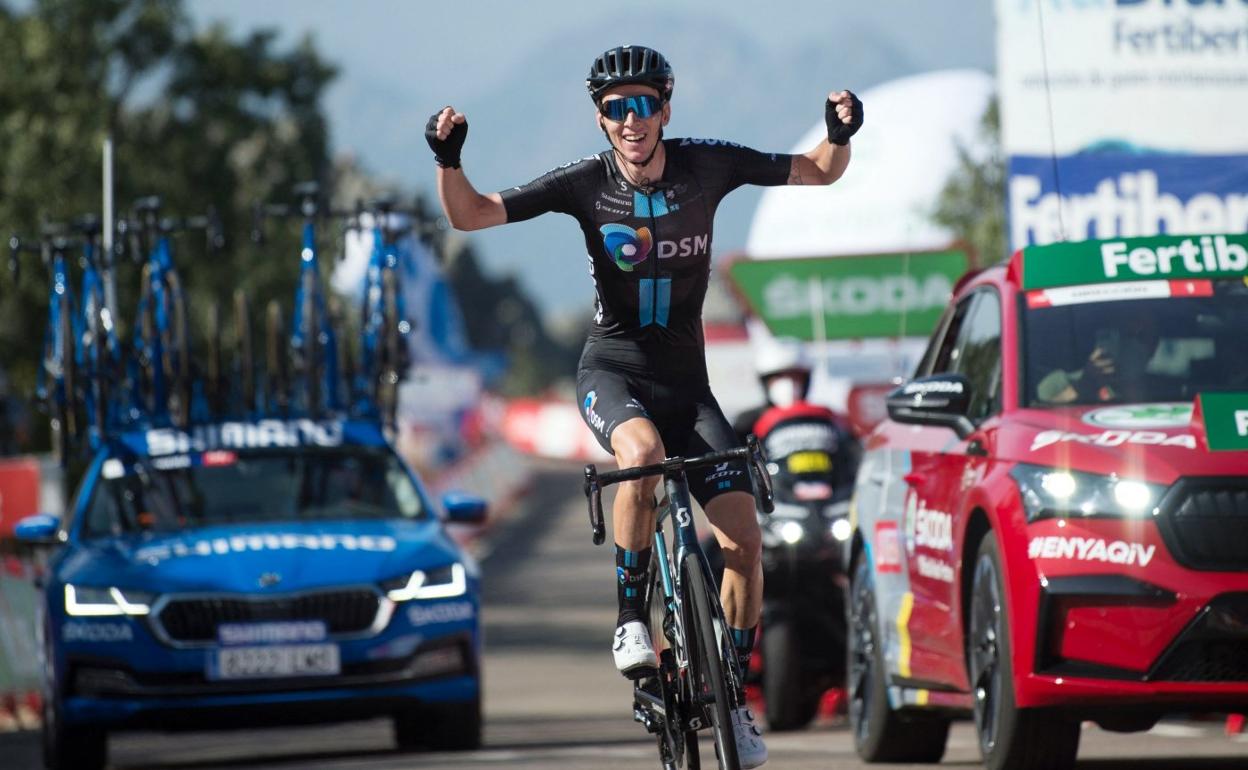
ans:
(1053, 492)
(440, 583)
(87, 601)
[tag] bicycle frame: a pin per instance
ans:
(309, 273)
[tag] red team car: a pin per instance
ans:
(1052, 525)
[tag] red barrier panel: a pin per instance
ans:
(19, 491)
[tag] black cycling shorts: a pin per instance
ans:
(687, 416)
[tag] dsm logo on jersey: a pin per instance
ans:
(628, 247)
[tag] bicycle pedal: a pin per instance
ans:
(642, 672)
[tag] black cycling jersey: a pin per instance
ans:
(649, 249)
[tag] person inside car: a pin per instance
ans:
(1114, 370)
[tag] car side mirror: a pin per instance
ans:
(41, 528)
(463, 508)
(941, 399)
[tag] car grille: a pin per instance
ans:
(1203, 522)
(195, 619)
(1214, 648)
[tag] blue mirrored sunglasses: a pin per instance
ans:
(644, 105)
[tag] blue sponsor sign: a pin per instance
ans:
(1125, 193)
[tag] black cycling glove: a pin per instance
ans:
(446, 151)
(838, 132)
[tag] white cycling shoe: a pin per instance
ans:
(750, 747)
(633, 651)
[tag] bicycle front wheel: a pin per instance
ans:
(708, 667)
(176, 353)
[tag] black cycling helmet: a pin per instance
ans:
(630, 64)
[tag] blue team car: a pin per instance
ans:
(247, 573)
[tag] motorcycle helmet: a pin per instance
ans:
(784, 371)
(630, 64)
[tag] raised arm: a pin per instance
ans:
(824, 163)
(465, 208)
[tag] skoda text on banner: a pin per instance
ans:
(1086, 88)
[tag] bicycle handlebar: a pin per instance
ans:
(752, 453)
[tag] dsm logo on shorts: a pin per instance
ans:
(595, 420)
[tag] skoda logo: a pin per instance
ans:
(269, 579)
(1138, 416)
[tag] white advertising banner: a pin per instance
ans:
(1124, 117)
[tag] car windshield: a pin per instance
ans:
(212, 488)
(1179, 339)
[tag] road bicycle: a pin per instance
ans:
(312, 346)
(160, 364)
(57, 379)
(698, 682)
(384, 325)
(98, 352)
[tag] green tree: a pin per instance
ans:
(200, 117)
(972, 203)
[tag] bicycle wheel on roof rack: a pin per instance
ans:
(309, 360)
(276, 375)
(100, 356)
(64, 421)
(389, 370)
(148, 343)
(244, 363)
(216, 386)
(176, 352)
(346, 364)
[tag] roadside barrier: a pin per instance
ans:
(19, 651)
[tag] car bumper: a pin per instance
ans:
(1133, 627)
(114, 694)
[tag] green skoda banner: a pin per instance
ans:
(1163, 257)
(1226, 420)
(832, 298)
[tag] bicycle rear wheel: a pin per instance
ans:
(675, 744)
(244, 365)
(217, 385)
(276, 385)
(310, 363)
(64, 426)
(390, 371)
(708, 668)
(99, 357)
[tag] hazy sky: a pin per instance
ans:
(402, 59)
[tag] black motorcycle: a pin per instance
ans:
(812, 458)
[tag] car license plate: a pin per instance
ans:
(275, 661)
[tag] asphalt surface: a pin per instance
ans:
(552, 698)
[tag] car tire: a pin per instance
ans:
(444, 727)
(1009, 737)
(881, 734)
(790, 696)
(77, 749)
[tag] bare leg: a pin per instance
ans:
(635, 442)
(736, 528)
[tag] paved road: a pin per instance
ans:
(552, 698)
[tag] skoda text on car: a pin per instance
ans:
(1053, 524)
(257, 572)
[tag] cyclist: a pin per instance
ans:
(645, 207)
